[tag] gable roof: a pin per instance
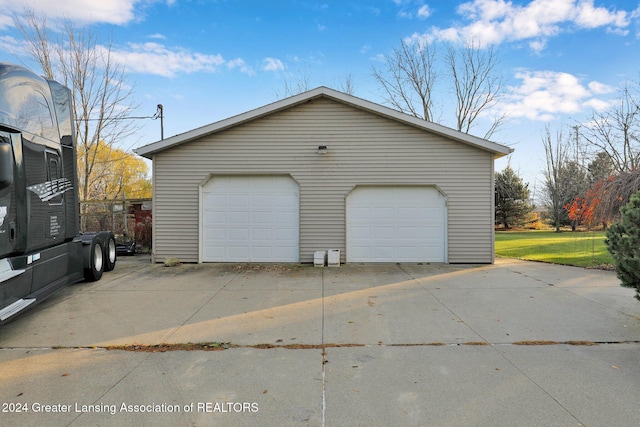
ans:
(323, 92)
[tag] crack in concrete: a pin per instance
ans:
(221, 346)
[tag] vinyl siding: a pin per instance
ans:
(363, 149)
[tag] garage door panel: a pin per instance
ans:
(411, 233)
(211, 218)
(250, 218)
(262, 217)
(263, 184)
(383, 213)
(286, 218)
(214, 234)
(284, 235)
(285, 200)
(214, 200)
(383, 233)
(261, 200)
(236, 253)
(237, 201)
(383, 253)
(406, 252)
(394, 224)
(360, 213)
(262, 234)
(260, 253)
(358, 233)
(238, 234)
(407, 213)
(236, 186)
(365, 251)
(215, 251)
(236, 217)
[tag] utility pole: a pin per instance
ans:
(160, 113)
(577, 142)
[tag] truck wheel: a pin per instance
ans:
(110, 253)
(94, 272)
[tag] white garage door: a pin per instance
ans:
(250, 219)
(396, 224)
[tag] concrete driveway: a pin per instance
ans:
(515, 343)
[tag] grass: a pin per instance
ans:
(581, 249)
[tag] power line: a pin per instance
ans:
(159, 114)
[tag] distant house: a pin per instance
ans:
(323, 170)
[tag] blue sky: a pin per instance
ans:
(207, 60)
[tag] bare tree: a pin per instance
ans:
(347, 86)
(411, 73)
(616, 131)
(102, 97)
(300, 85)
(477, 84)
(34, 31)
(295, 84)
(607, 196)
(556, 153)
(409, 79)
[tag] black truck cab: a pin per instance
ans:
(41, 247)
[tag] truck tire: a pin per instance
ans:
(94, 254)
(110, 255)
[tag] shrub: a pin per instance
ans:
(623, 242)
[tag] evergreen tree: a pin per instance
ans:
(601, 167)
(512, 198)
(623, 242)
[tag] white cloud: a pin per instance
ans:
(538, 45)
(598, 88)
(152, 58)
(241, 65)
(597, 104)
(117, 12)
(543, 95)
(589, 16)
(424, 12)
(272, 64)
(497, 21)
(155, 58)
(410, 9)
(11, 45)
(5, 21)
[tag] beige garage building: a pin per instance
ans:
(323, 170)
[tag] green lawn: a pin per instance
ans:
(582, 249)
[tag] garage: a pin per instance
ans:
(250, 219)
(396, 224)
(323, 170)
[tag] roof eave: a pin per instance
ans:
(484, 144)
(152, 148)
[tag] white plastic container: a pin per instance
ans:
(319, 258)
(334, 258)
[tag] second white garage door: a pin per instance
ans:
(396, 224)
(250, 219)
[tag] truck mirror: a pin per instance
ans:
(6, 166)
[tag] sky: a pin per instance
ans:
(207, 60)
